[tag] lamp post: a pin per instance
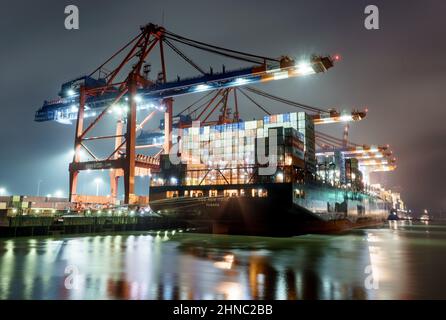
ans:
(97, 181)
(38, 187)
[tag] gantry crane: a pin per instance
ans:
(128, 88)
(375, 158)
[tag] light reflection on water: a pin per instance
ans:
(406, 260)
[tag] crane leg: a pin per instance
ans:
(73, 184)
(168, 125)
(74, 173)
(129, 167)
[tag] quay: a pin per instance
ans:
(22, 226)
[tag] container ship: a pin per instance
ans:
(264, 177)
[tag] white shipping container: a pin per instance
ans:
(293, 116)
(260, 133)
(249, 125)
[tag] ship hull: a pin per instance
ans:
(286, 210)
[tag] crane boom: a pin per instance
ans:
(65, 108)
(336, 117)
(320, 116)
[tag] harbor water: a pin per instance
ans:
(400, 260)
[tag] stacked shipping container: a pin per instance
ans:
(33, 205)
(231, 148)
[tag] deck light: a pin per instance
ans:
(202, 87)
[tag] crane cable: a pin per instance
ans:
(324, 136)
(253, 101)
(228, 55)
(204, 103)
(221, 48)
(197, 44)
(182, 55)
(286, 101)
(194, 103)
(115, 54)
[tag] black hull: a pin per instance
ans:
(275, 215)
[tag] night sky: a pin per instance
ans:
(397, 72)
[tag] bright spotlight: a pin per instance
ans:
(202, 87)
(240, 81)
(71, 92)
(304, 68)
(2, 191)
(138, 98)
(74, 108)
(59, 194)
